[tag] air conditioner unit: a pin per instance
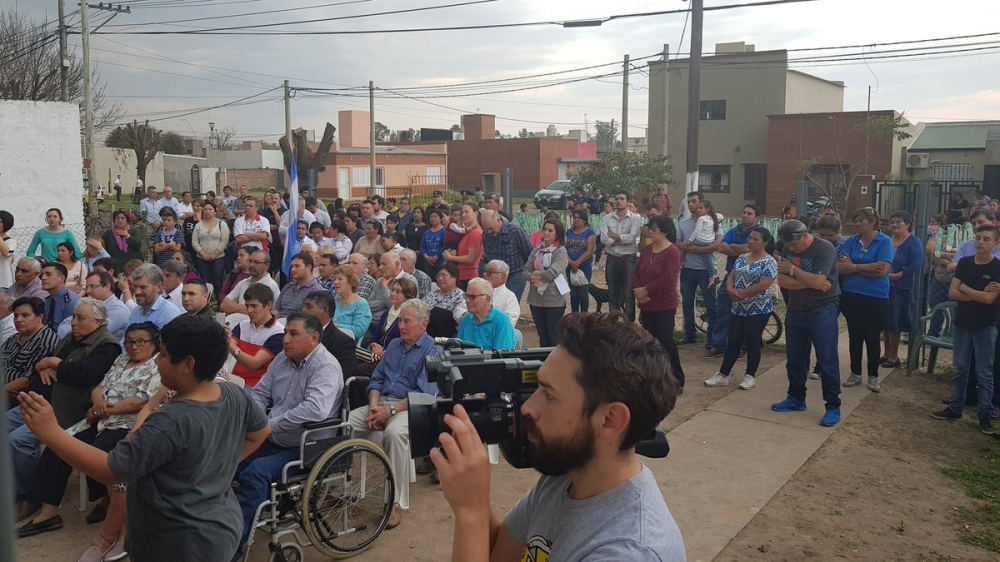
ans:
(918, 160)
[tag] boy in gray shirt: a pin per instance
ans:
(178, 465)
(596, 500)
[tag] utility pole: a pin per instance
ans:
(625, 107)
(694, 97)
(371, 133)
(63, 63)
(288, 130)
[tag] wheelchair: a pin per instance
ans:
(338, 494)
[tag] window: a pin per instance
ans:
(713, 110)
(754, 181)
(944, 171)
(713, 179)
(379, 177)
(827, 179)
(362, 176)
(433, 174)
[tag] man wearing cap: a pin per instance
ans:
(438, 203)
(808, 271)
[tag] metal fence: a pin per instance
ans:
(894, 196)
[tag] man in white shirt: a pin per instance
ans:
(168, 200)
(378, 213)
(252, 230)
(503, 298)
(234, 302)
(185, 208)
(286, 220)
(322, 217)
(620, 235)
(174, 273)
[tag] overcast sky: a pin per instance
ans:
(932, 87)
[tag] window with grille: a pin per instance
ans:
(944, 171)
(713, 179)
(713, 110)
(754, 180)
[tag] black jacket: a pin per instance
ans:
(341, 346)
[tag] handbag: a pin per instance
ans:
(366, 355)
(578, 278)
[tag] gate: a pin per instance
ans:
(902, 195)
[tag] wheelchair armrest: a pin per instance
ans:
(325, 424)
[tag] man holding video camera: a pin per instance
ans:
(600, 392)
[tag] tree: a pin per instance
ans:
(836, 181)
(498, 135)
(145, 140)
(524, 134)
(304, 159)
(625, 171)
(30, 69)
(382, 133)
(606, 135)
(223, 138)
(172, 143)
(456, 127)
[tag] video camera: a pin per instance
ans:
(491, 386)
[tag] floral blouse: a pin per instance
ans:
(121, 383)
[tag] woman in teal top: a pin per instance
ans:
(353, 312)
(50, 237)
(864, 264)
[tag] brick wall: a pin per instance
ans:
(831, 139)
(254, 179)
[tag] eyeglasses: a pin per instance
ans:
(133, 343)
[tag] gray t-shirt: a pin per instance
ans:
(819, 258)
(629, 522)
(179, 467)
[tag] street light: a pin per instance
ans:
(211, 133)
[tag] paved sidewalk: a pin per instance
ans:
(728, 461)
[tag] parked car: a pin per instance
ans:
(555, 196)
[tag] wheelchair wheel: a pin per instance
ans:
(348, 498)
(287, 553)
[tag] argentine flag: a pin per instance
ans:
(293, 218)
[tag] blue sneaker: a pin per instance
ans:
(789, 405)
(830, 418)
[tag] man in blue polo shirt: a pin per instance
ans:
(484, 325)
(734, 245)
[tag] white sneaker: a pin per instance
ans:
(717, 380)
(814, 376)
(748, 382)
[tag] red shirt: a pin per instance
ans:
(473, 239)
(658, 273)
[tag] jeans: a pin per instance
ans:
(255, 476)
(516, 283)
(964, 342)
(691, 280)
(719, 335)
(744, 332)
(24, 449)
(660, 325)
(805, 329)
(579, 298)
(212, 272)
(618, 272)
(937, 293)
(865, 317)
(546, 320)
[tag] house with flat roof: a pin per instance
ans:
(960, 151)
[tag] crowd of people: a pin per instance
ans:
(100, 334)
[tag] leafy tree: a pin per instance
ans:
(625, 171)
(29, 69)
(172, 143)
(524, 134)
(145, 140)
(382, 133)
(456, 127)
(606, 135)
(498, 135)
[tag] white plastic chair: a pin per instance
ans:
(518, 341)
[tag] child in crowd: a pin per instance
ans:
(168, 239)
(390, 244)
(706, 226)
(178, 464)
(455, 231)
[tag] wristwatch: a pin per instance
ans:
(392, 410)
(236, 352)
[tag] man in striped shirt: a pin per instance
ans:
(33, 341)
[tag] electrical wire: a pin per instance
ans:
(243, 15)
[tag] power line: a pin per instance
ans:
(236, 30)
(243, 15)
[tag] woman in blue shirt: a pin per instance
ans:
(907, 263)
(581, 241)
(432, 243)
(864, 283)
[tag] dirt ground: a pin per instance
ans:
(874, 491)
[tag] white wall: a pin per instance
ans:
(41, 166)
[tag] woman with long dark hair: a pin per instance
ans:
(122, 243)
(654, 283)
(76, 271)
(50, 236)
(546, 262)
(211, 237)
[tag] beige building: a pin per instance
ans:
(739, 89)
(963, 151)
